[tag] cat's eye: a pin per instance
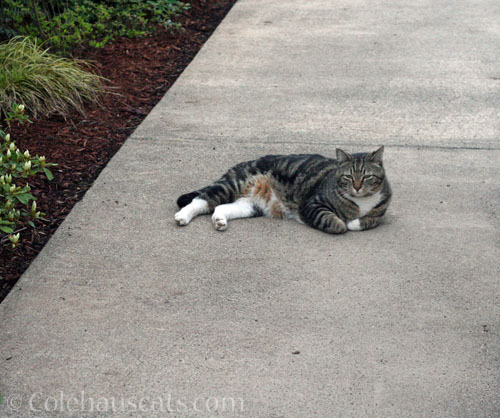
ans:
(347, 177)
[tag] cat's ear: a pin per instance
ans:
(376, 156)
(343, 156)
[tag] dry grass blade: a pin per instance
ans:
(44, 83)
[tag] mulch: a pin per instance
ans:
(139, 72)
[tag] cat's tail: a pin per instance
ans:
(187, 198)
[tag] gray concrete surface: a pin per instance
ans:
(402, 321)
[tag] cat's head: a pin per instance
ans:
(360, 174)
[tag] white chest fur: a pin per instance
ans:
(367, 203)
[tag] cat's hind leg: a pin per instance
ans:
(187, 213)
(205, 200)
(241, 208)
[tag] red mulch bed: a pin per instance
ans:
(139, 71)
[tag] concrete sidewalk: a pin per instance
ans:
(126, 314)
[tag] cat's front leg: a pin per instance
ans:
(363, 223)
(319, 216)
(333, 224)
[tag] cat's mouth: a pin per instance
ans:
(358, 193)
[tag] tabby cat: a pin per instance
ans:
(349, 193)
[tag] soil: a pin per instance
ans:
(139, 72)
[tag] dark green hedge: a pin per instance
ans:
(65, 24)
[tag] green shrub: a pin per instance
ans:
(66, 24)
(17, 204)
(43, 82)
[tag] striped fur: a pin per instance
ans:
(332, 195)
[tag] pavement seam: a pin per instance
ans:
(288, 143)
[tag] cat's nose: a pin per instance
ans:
(356, 185)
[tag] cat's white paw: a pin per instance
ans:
(188, 212)
(220, 223)
(182, 218)
(354, 225)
